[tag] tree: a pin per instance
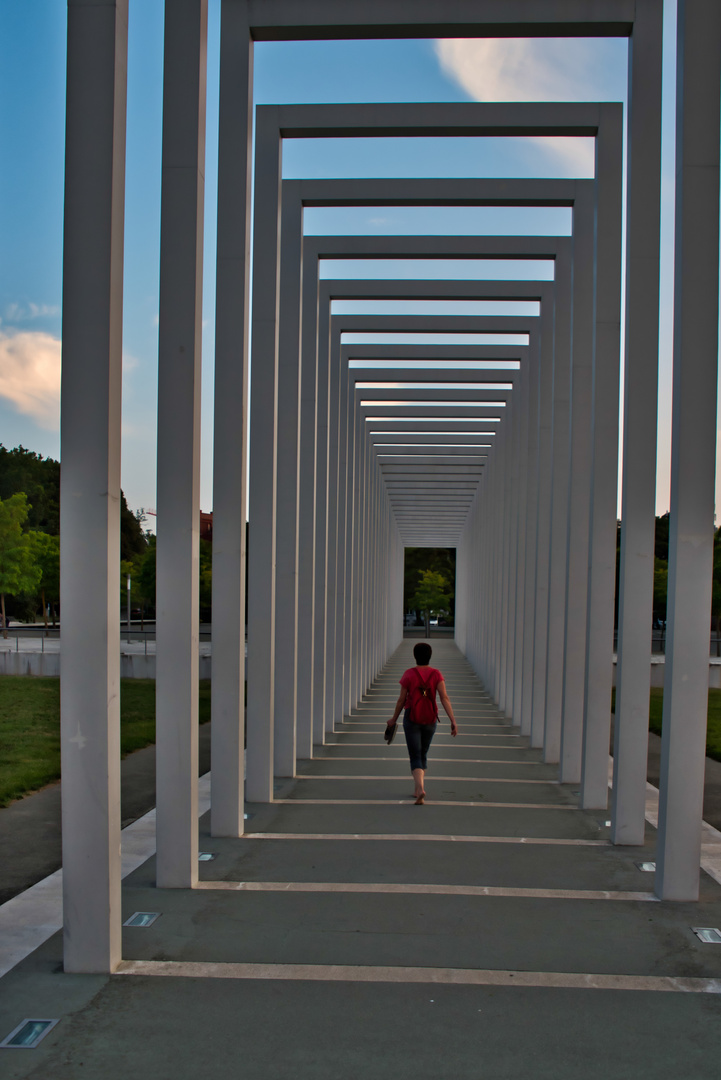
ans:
(146, 574)
(132, 537)
(46, 553)
(432, 597)
(39, 478)
(206, 578)
(660, 588)
(441, 560)
(18, 571)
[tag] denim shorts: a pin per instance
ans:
(418, 739)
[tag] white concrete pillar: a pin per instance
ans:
(306, 527)
(695, 365)
(638, 531)
(518, 628)
(179, 382)
(287, 478)
(230, 438)
(576, 592)
(543, 538)
(342, 606)
(513, 420)
(350, 547)
(545, 359)
(604, 467)
(560, 466)
(321, 526)
(90, 483)
(337, 384)
(263, 461)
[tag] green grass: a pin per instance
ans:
(713, 725)
(30, 728)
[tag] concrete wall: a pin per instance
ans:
(658, 667)
(48, 665)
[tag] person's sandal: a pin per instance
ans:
(390, 732)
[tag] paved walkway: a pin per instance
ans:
(494, 932)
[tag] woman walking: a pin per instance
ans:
(418, 696)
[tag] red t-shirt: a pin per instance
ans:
(413, 679)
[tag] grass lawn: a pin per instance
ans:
(713, 727)
(30, 728)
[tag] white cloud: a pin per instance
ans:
(548, 69)
(30, 375)
(25, 312)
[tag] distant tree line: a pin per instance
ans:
(30, 541)
(660, 573)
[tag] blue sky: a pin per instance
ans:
(32, 86)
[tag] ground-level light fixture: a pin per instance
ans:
(27, 1034)
(710, 935)
(142, 918)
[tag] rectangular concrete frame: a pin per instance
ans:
(544, 247)
(543, 291)
(358, 288)
(547, 250)
(307, 276)
(425, 469)
(358, 456)
(275, 122)
(348, 378)
(486, 246)
(573, 746)
(273, 20)
(641, 21)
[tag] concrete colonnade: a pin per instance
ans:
(329, 518)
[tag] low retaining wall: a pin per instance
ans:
(658, 667)
(132, 666)
(139, 666)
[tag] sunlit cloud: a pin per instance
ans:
(30, 363)
(30, 375)
(516, 69)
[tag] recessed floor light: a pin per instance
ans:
(206, 856)
(708, 934)
(142, 918)
(607, 824)
(647, 867)
(28, 1034)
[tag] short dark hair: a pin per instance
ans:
(422, 652)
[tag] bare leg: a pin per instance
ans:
(418, 778)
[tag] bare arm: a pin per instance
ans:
(399, 705)
(446, 703)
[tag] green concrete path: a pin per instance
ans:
(492, 933)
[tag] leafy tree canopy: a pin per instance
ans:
(25, 471)
(432, 595)
(19, 572)
(39, 478)
(46, 553)
(132, 538)
(418, 560)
